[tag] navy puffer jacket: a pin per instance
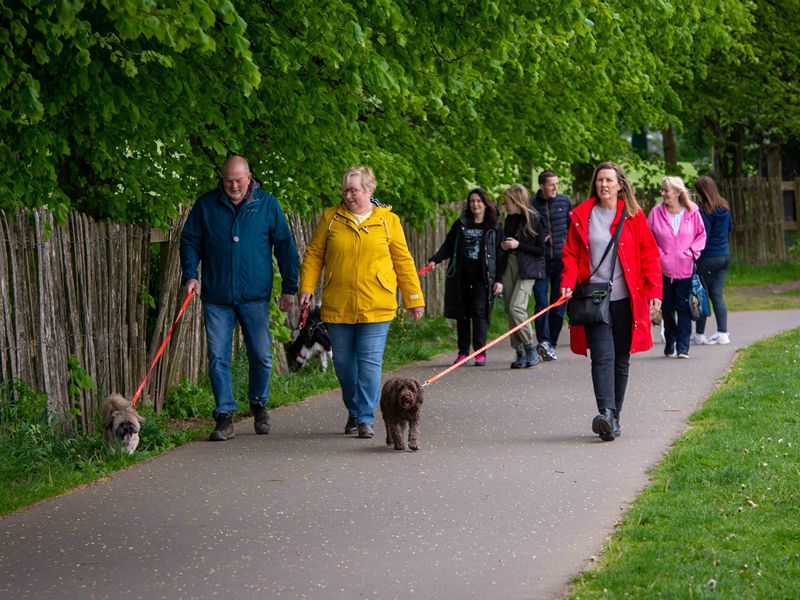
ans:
(555, 214)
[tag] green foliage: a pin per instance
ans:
(188, 401)
(78, 378)
(719, 518)
(147, 100)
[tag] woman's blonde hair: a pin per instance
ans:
(519, 197)
(366, 175)
(676, 184)
(626, 189)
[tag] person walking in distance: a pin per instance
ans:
(473, 279)
(233, 230)
(716, 257)
(554, 209)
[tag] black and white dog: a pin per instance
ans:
(312, 340)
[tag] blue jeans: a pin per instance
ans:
(713, 271)
(548, 326)
(610, 352)
(253, 318)
(676, 300)
(357, 360)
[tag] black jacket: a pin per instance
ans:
(490, 261)
(530, 252)
(555, 214)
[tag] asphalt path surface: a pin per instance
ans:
(509, 496)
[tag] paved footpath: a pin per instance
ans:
(509, 496)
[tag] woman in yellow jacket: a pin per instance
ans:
(363, 249)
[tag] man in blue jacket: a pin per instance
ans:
(554, 208)
(233, 231)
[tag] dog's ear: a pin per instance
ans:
(108, 422)
(418, 389)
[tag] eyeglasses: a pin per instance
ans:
(347, 191)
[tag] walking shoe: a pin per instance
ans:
(546, 351)
(698, 339)
(683, 355)
(531, 355)
(480, 360)
(603, 425)
(365, 430)
(522, 361)
(669, 350)
(615, 429)
(721, 337)
(351, 426)
(459, 358)
(260, 418)
(224, 429)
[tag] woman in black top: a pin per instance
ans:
(473, 279)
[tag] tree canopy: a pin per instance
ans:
(127, 109)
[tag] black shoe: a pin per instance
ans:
(260, 419)
(224, 429)
(615, 427)
(351, 426)
(521, 362)
(365, 430)
(602, 425)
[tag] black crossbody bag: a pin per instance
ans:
(590, 303)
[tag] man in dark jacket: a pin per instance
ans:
(233, 231)
(554, 208)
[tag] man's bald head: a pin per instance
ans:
(236, 178)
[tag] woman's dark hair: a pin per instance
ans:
(490, 217)
(708, 196)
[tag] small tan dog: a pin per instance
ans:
(121, 423)
(657, 319)
(401, 400)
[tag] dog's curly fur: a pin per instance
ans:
(401, 400)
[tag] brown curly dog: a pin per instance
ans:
(401, 400)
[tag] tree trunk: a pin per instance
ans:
(670, 150)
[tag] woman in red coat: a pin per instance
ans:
(635, 287)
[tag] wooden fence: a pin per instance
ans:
(82, 290)
(758, 217)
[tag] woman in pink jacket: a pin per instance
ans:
(681, 236)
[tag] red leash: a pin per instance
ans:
(163, 345)
(558, 302)
(303, 315)
(424, 270)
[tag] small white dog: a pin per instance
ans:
(121, 423)
(657, 319)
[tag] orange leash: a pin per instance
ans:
(424, 270)
(453, 367)
(163, 345)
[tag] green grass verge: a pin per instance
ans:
(742, 275)
(720, 518)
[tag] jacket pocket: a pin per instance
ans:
(385, 294)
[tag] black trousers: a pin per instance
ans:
(610, 351)
(475, 324)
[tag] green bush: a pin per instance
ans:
(188, 401)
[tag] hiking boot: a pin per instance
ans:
(365, 430)
(531, 356)
(351, 426)
(224, 429)
(615, 428)
(260, 419)
(603, 424)
(522, 361)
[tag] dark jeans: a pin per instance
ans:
(474, 325)
(610, 351)
(548, 326)
(713, 271)
(676, 300)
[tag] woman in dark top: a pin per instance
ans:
(524, 245)
(473, 279)
(715, 259)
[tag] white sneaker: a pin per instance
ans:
(698, 339)
(683, 355)
(721, 337)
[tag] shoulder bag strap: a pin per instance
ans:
(612, 243)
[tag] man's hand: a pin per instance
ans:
(286, 302)
(303, 298)
(192, 286)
